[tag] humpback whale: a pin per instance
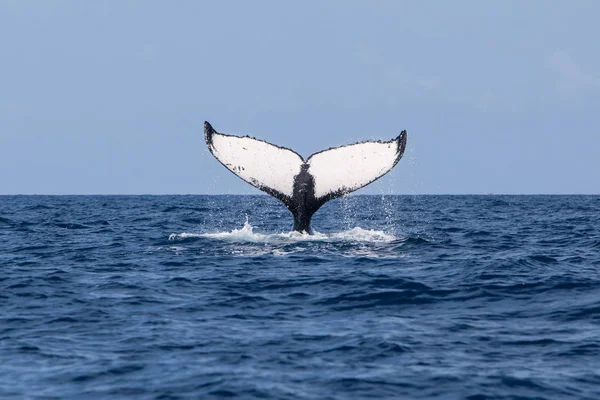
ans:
(304, 185)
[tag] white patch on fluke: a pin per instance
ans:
(259, 163)
(349, 168)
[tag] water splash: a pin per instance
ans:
(246, 234)
(358, 234)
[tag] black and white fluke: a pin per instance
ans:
(304, 185)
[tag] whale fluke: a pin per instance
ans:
(304, 185)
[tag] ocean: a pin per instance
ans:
(212, 297)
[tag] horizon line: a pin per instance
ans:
(263, 194)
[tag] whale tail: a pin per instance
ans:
(304, 185)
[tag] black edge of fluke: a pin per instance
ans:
(402, 142)
(208, 132)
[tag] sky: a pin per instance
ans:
(110, 97)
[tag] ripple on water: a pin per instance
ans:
(403, 297)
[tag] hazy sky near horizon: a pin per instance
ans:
(109, 97)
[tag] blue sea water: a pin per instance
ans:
(423, 297)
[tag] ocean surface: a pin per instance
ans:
(212, 297)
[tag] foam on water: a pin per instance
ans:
(246, 234)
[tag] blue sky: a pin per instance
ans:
(109, 97)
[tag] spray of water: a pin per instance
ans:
(246, 234)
